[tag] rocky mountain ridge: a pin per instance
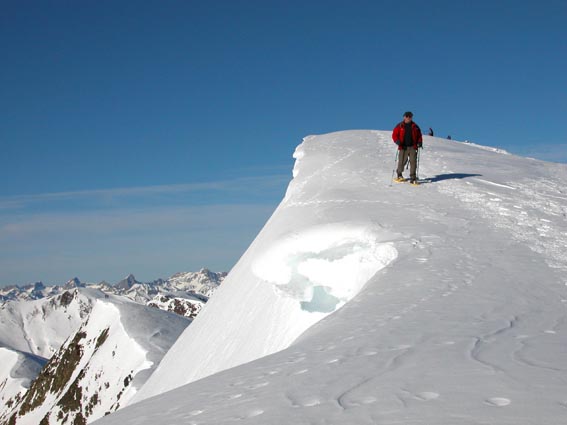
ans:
(99, 367)
(67, 351)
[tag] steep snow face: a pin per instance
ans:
(299, 269)
(467, 325)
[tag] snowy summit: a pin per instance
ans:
(364, 301)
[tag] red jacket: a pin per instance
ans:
(399, 132)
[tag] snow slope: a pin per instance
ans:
(41, 326)
(297, 271)
(17, 372)
(448, 300)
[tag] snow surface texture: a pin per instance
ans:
(466, 325)
(324, 266)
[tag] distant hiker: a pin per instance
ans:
(430, 131)
(407, 135)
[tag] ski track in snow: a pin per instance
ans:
(466, 326)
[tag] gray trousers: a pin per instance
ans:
(404, 155)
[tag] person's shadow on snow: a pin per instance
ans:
(452, 176)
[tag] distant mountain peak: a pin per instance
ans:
(74, 283)
(38, 286)
(126, 283)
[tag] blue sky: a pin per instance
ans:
(155, 137)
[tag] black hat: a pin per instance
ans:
(408, 114)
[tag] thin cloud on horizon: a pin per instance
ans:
(151, 231)
(242, 184)
(151, 242)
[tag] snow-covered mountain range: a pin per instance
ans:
(96, 343)
(199, 285)
(364, 301)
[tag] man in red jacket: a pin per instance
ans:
(407, 135)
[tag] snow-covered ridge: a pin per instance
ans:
(488, 148)
(41, 326)
(467, 325)
(298, 270)
(37, 320)
(100, 367)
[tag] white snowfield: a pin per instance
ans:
(17, 372)
(385, 303)
(41, 326)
